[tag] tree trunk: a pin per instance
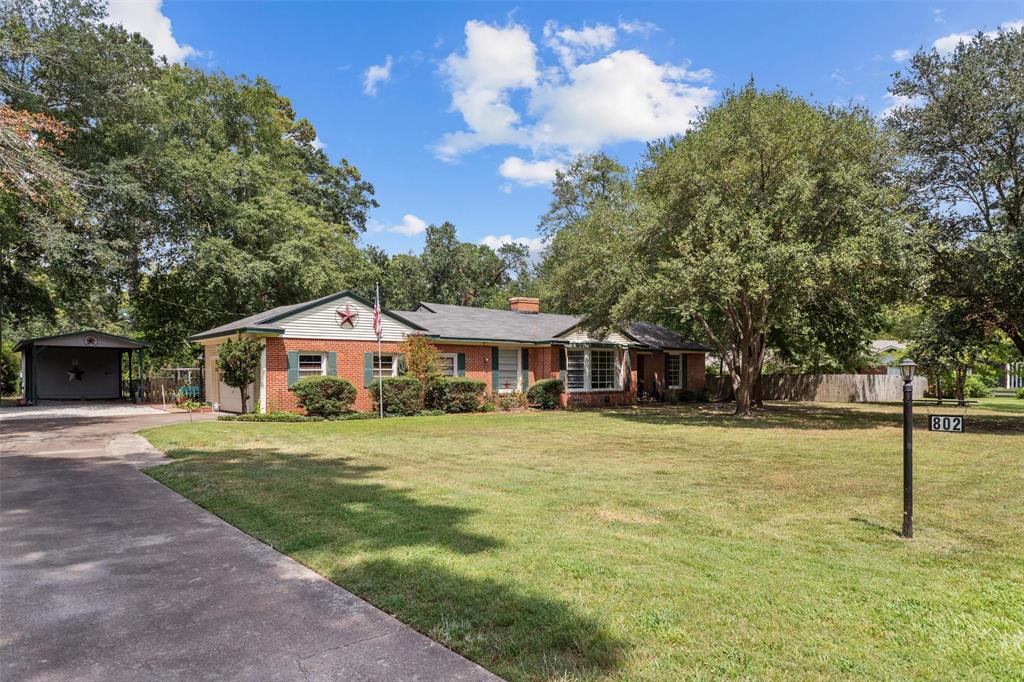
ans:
(938, 387)
(244, 393)
(742, 391)
(961, 382)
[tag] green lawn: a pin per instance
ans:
(648, 544)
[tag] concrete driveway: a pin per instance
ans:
(107, 575)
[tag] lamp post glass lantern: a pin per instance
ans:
(907, 367)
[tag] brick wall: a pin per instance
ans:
(544, 364)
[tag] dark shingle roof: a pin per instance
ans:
(464, 323)
(657, 336)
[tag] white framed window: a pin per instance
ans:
(384, 366)
(449, 364)
(576, 370)
(592, 369)
(312, 365)
(675, 375)
(508, 370)
(602, 370)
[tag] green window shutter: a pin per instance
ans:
(293, 367)
(400, 359)
(684, 366)
(561, 366)
(367, 369)
(494, 369)
(627, 368)
(332, 364)
(526, 368)
(460, 366)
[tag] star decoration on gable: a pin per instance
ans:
(75, 373)
(347, 316)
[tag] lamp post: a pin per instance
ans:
(907, 372)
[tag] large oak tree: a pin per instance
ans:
(772, 223)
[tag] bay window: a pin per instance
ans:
(593, 369)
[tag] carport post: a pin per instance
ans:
(142, 375)
(131, 380)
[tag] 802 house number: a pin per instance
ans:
(945, 422)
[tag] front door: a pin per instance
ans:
(641, 375)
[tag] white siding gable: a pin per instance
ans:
(321, 322)
(577, 335)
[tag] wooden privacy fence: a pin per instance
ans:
(827, 388)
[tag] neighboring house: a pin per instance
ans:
(507, 349)
(885, 356)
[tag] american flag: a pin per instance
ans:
(378, 329)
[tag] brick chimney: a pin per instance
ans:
(523, 304)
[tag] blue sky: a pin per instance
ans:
(461, 111)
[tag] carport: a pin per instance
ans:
(85, 365)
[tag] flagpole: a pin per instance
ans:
(380, 374)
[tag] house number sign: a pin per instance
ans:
(946, 422)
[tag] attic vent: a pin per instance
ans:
(522, 304)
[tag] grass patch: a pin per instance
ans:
(648, 544)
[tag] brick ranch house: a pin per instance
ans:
(509, 350)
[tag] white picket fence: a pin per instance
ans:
(1013, 375)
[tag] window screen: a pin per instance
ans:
(447, 363)
(508, 369)
(383, 365)
(311, 365)
(575, 374)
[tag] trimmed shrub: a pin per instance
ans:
(455, 394)
(325, 396)
(975, 387)
(505, 401)
(1020, 394)
(401, 395)
(10, 369)
(545, 394)
(269, 417)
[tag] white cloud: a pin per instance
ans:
(410, 226)
(508, 96)
(376, 74)
(644, 28)
(528, 172)
(621, 97)
(937, 16)
(572, 44)
(535, 244)
(496, 61)
(318, 144)
(901, 55)
(146, 18)
(946, 44)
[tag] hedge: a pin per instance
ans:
(401, 395)
(455, 394)
(325, 396)
(545, 394)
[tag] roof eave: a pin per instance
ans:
(212, 334)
